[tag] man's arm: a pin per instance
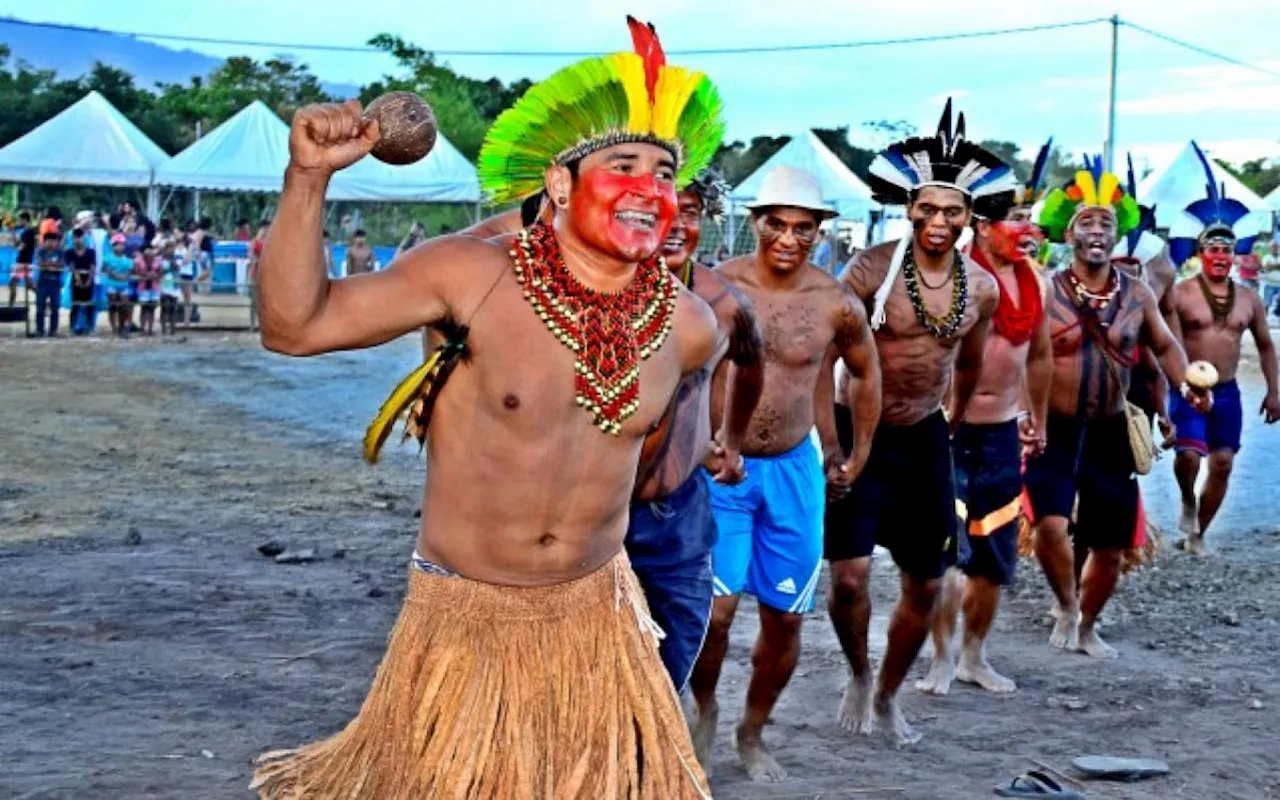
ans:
(969, 359)
(303, 311)
(1166, 276)
(857, 350)
(497, 225)
(745, 379)
(1040, 376)
(1167, 349)
(1270, 408)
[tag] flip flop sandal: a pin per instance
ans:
(1120, 769)
(1036, 784)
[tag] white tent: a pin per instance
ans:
(1182, 182)
(840, 187)
(1273, 199)
(249, 153)
(88, 144)
(444, 176)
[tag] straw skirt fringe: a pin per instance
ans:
(498, 692)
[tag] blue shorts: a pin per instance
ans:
(669, 543)
(1206, 433)
(770, 525)
(988, 470)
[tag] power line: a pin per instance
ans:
(714, 51)
(1204, 51)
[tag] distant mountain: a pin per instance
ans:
(71, 52)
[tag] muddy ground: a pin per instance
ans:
(147, 649)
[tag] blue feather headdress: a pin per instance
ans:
(1030, 194)
(1215, 214)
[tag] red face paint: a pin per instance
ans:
(1012, 239)
(1216, 260)
(601, 196)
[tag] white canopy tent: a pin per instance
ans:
(249, 153)
(1273, 199)
(841, 189)
(1182, 182)
(89, 144)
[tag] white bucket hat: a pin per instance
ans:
(794, 188)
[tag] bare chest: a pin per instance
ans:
(1196, 316)
(1121, 325)
(903, 319)
(796, 332)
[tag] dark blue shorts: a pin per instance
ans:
(1206, 433)
(904, 500)
(988, 462)
(1090, 458)
(669, 542)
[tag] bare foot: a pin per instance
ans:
(892, 725)
(1189, 522)
(855, 709)
(976, 670)
(1092, 645)
(1066, 632)
(702, 728)
(938, 681)
(1194, 544)
(760, 765)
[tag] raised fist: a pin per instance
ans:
(327, 137)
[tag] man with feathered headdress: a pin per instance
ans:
(524, 662)
(930, 309)
(672, 529)
(1098, 316)
(1143, 255)
(1214, 311)
(1005, 416)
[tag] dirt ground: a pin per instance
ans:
(149, 649)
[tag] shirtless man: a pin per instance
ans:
(1098, 316)
(770, 525)
(987, 450)
(1143, 255)
(359, 254)
(520, 597)
(672, 529)
(931, 309)
(1214, 311)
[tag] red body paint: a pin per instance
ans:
(599, 194)
(1216, 260)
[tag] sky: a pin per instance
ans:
(1022, 88)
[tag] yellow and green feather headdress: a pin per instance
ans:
(599, 102)
(1092, 188)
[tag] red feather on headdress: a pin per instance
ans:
(645, 39)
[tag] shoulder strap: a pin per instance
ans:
(1089, 323)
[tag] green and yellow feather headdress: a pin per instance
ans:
(1092, 188)
(597, 103)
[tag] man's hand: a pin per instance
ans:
(1032, 438)
(726, 466)
(1199, 399)
(327, 137)
(840, 475)
(1167, 430)
(1270, 408)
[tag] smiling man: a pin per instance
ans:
(930, 309)
(1098, 317)
(524, 662)
(770, 524)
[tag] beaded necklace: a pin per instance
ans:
(1098, 301)
(1220, 306)
(939, 327)
(610, 333)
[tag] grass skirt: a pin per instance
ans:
(501, 692)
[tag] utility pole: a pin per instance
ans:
(197, 192)
(1109, 151)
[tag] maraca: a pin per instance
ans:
(1201, 375)
(406, 127)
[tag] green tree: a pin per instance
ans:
(1262, 175)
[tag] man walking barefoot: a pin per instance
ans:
(1097, 318)
(1213, 312)
(988, 447)
(770, 525)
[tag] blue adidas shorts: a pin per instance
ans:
(770, 529)
(1207, 433)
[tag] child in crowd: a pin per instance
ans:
(170, 292)
(82, 262)
(117, 269)
(148, 268)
